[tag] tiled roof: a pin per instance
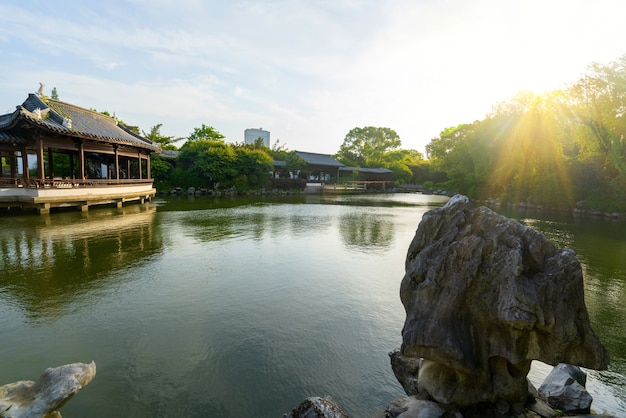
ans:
(367, 170)
(319, 159)
(84, 123)
(7, 137)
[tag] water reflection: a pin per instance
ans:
(47, 267)
(366, 231)
(257, 221)
(239, 307)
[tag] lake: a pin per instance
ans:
(236, 307)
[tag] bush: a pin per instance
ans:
(287, 184)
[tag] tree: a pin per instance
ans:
(253, 166)
(166, 142)
(366, 147)
(54, 94)
(205, 133)
(208, 161)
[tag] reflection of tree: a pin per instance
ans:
(366, 232)
(48, 266)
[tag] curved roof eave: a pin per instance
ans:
(60, 129)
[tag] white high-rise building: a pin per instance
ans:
(251, 135)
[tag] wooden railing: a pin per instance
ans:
(69, 183)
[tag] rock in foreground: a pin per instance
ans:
(56, 386)
(484, 296)
(316, 407)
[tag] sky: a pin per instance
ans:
(307, 71)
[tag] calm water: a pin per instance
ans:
(234, 308)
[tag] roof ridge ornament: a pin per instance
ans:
(41, 88)
(67, 122)
(37, 113)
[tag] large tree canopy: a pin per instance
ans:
(366, 147)
(205, 132)
(209, 161)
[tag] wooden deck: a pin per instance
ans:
(354, 187)
(43, 195)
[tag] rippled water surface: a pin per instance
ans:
(244, 307)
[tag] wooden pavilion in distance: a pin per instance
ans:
(55, 154)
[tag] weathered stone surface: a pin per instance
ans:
(564, 389)
(56, 386)
(484, 296)
(316, 407)
(406, 370)
(413, 407)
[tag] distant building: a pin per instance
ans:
(251, 135)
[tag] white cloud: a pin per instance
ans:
(307, 71)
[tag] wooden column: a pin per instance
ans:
(40, 168)
(81, 160)
(140, 173)
(25, 163)
(13, 158)
(117, 162)
(148, 167)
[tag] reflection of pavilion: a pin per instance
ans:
(55, 154)
(51, 263)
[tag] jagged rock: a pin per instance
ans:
(413, 407)
(484, 296)
(56, 386)
(406, 370)
(564, 389)
(316, 407)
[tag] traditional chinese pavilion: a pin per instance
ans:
(55, 154)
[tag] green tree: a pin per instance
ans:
(166, 142)
(366, 147)
(54, 94)
(205, 132)
(208, 162)
(253, 166)
(161, 171)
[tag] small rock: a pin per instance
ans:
(564, 389)
(316, 407)
(56, 386)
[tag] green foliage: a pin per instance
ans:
(367, 147)
(205, 132)
(155, 135)
(287, 184)
(553, 149)
(400, 173)
(161, 171)
(253, 163)
(215, 164)
(209, 161)
(54, 95)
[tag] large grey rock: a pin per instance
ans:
(484, 296)
(316, 407)
(56, 386)
(564, 389)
